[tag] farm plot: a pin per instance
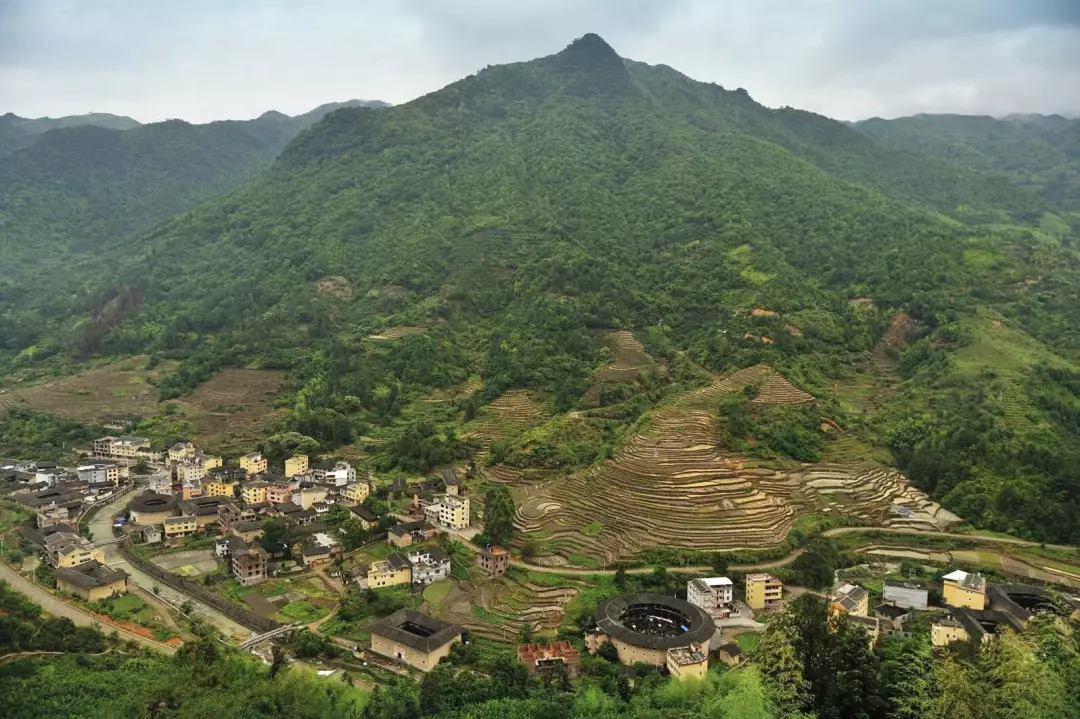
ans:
(502, 608)
(628, 359)
(669, 485)
(230, 410)
(393, 333)
(119, 389)
(507, 416)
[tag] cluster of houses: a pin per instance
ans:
(975, 610)
(58, 497)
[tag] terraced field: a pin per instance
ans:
(393, 333)
(628, 359)
(501, 608)
(119, 389)
(669, 485)
(232, 408)
(507, 416)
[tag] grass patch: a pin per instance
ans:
(583, 560)
(486, 616)
(303, 611)
(436, 593)
(593, 529)
(748, 641)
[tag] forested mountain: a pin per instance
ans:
(83, 184)
(930, 305)
(18, 132)
(1041, 152)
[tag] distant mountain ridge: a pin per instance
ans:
(18, 132)
(77, 185)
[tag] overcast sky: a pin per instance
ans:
(211, 59)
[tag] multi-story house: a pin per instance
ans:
(450, 511)
(254, 492)
(181, 451)
(907, 595)
(182, 526)
(713, 594)
(763, 591)
(429, 564)
(963, 589)
(248, 562)
(306, 496)
(493, 560)
(356, 492)
(66, 550)
(123, 447)
(281, 490)
(189, 469)
(295, 465)
(849, 599)
(393, 570)
(254, 463)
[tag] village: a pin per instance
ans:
(143, 536)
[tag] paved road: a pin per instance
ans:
(101, 530)
(55, 607)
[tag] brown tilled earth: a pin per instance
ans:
(233, 408)
(119, 389)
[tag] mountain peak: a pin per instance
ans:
(593, 66)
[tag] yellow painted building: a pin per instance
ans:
(389, 572)
(763, 591)
(254, 463)
(75, 555)
(296, 465)
(688, 662)
(220, 488)
(210, 461)
(357, 491)
(307, 496)
(962, 589)
(946, 631)
(181, 451)
(181, 526)
(254, 492)
(849, 599)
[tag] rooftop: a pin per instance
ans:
(684, 656)
(974, 582)
(416, 630)
(654, 621)
(91, 574)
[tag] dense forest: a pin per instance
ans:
(926, 298)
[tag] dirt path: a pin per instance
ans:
(55, 607)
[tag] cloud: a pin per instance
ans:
(205, 60)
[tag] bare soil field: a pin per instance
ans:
(119, 389)
(232, 409)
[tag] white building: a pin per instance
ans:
(450, 511)
(429, 564)
(161, 483)
(713, 594)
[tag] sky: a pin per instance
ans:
(203, 60)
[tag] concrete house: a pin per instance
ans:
(183, 526)
(408, 533)
(763, 591)
(389, 572)
(713, 594)
(248, 562)
(449, 511)
(689, 662)
(295, 465)
(414, 638)
(254, 463)
(908, 595)
(493, 560)
(962, 589)
(849, 599)
(429, 564)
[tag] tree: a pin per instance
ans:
(499, 515)
(720, 563)
(337, 515)
(397, 700)
(608, 651)
(277, 536)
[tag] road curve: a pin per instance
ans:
(55, 607)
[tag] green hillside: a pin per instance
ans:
(1042, 153)
(19, 132)
(496, 226)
